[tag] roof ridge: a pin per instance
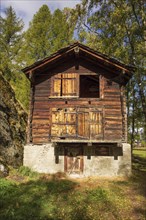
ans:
(85, 47)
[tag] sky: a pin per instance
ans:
(25, 9)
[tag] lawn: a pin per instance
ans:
(28, 195)
(141, 152)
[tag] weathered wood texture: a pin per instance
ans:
(61, 112)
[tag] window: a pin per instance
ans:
(89, 86)
(64, 85)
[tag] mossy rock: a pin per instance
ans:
(4, 169)
(12, 126)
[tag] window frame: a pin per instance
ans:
(62, 79)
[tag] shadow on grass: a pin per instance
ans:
(59, 199)
(138, 178)
(53, 200)
(33, 200)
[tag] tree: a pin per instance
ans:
(37, 37)
(47, 33)
(10, 42)
(11, 61)
(62, 29)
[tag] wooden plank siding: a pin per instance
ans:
(59, 112)
(113, 114)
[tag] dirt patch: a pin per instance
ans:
(17, 178)
(94, 182)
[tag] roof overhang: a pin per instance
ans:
(80, 51)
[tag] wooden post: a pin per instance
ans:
(123, 112)
(31, 106)
(101, 87)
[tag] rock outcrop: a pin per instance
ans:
(4, 169)
(13, 121)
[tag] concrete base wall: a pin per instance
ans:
(41, 158)
(109, 165)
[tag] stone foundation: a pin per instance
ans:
(42, 158)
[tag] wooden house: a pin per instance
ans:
(77, 122)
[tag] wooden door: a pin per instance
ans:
(95, 124)
(83, 123)
(89, 123)
(73, 160)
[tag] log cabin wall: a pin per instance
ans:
(74, 101)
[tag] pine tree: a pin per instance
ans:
(11, 61)
(38, 36)
(62, 29)
(48, 33)
(10, 42)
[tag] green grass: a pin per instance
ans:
(26, 171)
(140, 152)
(28, 195)
(139, 159)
